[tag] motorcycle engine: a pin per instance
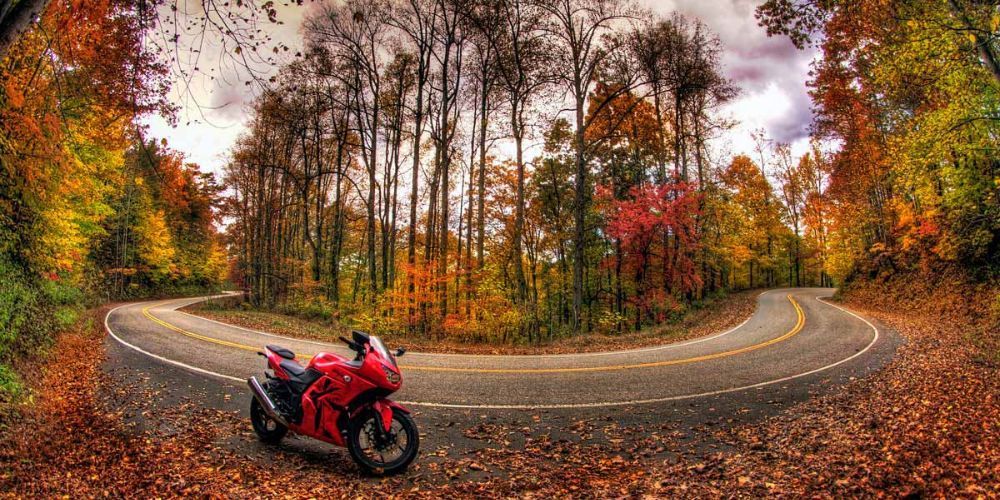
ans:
(285, 401)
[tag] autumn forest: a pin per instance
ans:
(493, 171)
(517, 171)
(411, 172)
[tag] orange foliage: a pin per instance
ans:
(68, 94)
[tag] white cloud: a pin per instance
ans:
(201, 143)
(214, 104)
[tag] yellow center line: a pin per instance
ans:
(148, 315)
(799, 324)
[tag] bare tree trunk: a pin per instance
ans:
(459, 263)
(337, 239)
(481, 191)
(411, 250)
(16, 21)
(393, 229)
(579, 215)
(431, 235)
(519, 212)
(468, 240)
(443, 246)
(372, 274)
(661, 166)
(680, 156)
(983, 45)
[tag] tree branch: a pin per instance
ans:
(14, 24)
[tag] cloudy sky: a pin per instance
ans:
(770, 72)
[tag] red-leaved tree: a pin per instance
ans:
(656, 228)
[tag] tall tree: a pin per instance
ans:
(356, 34)
(416, 21)
(793, 196)
(581, 26)
(484, 19)
(449, 56)
(523, 58)
(908, 90)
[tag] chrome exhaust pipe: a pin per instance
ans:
(265, 402)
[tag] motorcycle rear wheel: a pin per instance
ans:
(268, 430)
(368, 448)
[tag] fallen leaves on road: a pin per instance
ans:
(926, 425)
(72, 442)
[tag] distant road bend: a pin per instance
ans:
(792, 335)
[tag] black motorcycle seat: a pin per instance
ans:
(309, 376)
(292, 368)
(281, 351)
(299, 379)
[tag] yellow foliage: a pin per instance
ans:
(154, 242)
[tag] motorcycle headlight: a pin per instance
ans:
(391, 375)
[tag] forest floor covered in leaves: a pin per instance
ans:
(927, 424)
(712, 316)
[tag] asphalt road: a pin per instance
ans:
(793, 338)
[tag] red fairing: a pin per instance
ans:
(385, 412)
(274, 363)
(397, 406)
(346, 389)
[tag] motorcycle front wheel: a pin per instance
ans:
(383, 453)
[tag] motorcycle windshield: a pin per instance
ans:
(379, 347)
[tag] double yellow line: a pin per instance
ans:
(158, 321)
(799, 324)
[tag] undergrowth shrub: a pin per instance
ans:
(27, 318)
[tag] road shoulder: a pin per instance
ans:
(716, 316)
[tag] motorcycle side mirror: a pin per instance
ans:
(401, 351)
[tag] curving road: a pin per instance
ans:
(793, 336)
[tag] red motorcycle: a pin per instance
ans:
(340, 401)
